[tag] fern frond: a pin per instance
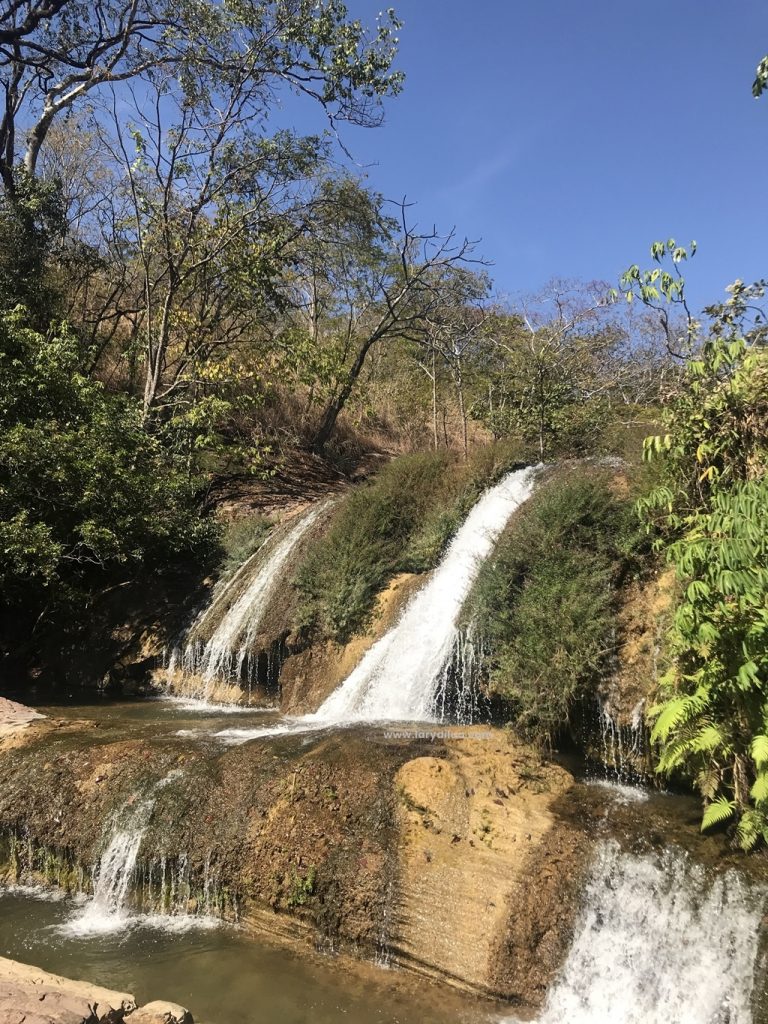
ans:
(671, 715)
(750, 829)
(759, 750)
(759, 791)
(708, 740)
(708, 782)
(677, 711)
(719, 811)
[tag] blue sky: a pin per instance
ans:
(569, 135)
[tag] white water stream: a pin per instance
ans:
(223, 655)
(402, 676)
(107, 910)
(659, 943)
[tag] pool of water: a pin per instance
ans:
(224, 975)
(143, 716)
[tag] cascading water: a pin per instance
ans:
(107, 910)
(403, 675)
(232, 620)
(659, 943)
(624, 746)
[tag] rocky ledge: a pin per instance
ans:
(31, 996)
(15, 716)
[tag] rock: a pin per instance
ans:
(29, 995)
(15, 716)
(161, 1013)
(33, 996)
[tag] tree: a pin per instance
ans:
(382, 281)
(31, 230)
(455, 335)
(54, 53)
(548, 368)
(84, 492)
(213, 210)
(175, 263)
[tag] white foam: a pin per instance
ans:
(400, 678)
(203, 707)
(621, 791)
(659, 943)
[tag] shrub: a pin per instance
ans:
(710, 509)
(401, 521)
(242, 538)
(544, 604)
(301, 887)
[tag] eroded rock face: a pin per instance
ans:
(443, 852)
(642, 621)
(542, 902)
(299, 832)
(614, 730)
(476, 826)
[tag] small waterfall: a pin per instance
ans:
(659, 943)
(459, 698)
(170, 889)
(405, 676)
(624, 746)
(399, 678)
(219, 644)
(107, 911)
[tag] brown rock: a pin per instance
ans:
(29, 994)
(161, 1013)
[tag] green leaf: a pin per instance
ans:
(759, 750)
(717, 812)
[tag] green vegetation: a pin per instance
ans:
(709, 511)
(83, 489)
(301, 887)
(145, 271)
(401, 521)
(242, 538)
(544, 606)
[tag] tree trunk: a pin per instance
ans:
(434, 401)
(35, 141)
(335, 406)
(463, 414)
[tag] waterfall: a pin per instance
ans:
(399, 677)
(232, 620)
(402, 677)
(107, 911)
(659, 943)
(624, 746)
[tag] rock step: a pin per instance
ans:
(29, 995)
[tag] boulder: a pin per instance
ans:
(33, 996)
(161, 1013)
